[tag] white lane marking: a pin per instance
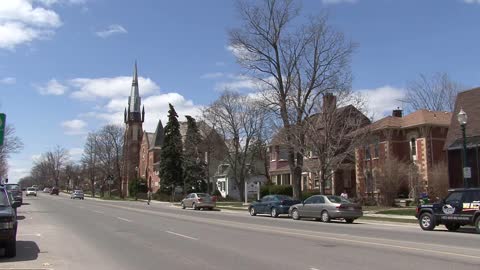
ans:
(313, 268)
(100, 212)
(124, 219)
(29, 234)
(181, 235)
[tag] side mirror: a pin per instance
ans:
(16, 204)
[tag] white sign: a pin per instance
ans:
(467, 172)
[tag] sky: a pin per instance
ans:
(66, 65)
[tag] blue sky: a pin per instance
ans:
(65, 65)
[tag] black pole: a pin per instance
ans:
(465, 163)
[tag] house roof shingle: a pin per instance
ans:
(468, 101)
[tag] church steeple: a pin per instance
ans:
(134, 100)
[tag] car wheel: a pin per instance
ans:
(183, 205)
(11, 249)
(426, 222)
(194, 206)
(252, 211)
(477, 224)
(325, 216)
(295, 214)
(273, 212)
(349, 220)
(453, 227)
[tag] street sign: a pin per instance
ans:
(467, 172)
(3, 118)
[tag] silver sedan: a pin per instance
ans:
(77, 194)
(198, 201)
(326, 208)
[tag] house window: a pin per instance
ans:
(367, 152)
(272, 154)
(413, 148)
(376, 150)
(305, 182)
(283, 154)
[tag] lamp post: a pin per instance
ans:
(462, 119)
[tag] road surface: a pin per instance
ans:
(56, 232)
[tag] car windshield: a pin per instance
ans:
(30, 189)
(78, 191)
(338, 199)
(3, 198)
(13, 187)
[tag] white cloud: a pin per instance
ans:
(111, 30)
(36, 157)
(238, 82)
(74, 127)
(15, 173)
(21, 22)
(327, 2)
(53, 87)
(8, 80)
(53, 2)
(472, 1)
(212, 75)
(381, 101)
(113, 87)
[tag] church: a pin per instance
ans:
(141, 149)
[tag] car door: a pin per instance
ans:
(318, 206)
(471, 204)
(262, 204)
(306, 210)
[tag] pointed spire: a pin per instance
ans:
(134, 100)
(159, 135)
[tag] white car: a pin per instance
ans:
(31, 191)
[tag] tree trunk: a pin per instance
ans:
(92, 183)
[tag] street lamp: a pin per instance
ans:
(462, 119)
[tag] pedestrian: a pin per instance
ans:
(344, 194)
(149, 196)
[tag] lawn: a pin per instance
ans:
(401, 212)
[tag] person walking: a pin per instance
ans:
(344, 194)
(149, 196)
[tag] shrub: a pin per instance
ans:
(217, 193)
(307, 194)
(276, 189)
(438, 182)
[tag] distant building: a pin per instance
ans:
(418, 137)
(469, 101)
(149, 163)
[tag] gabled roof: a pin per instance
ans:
(157, 140)
(469, 101)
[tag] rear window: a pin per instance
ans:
(202, 195)
(337, 199)
(13, 187)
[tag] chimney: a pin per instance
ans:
(397, 113)
(329, 102)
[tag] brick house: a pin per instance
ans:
(342, 179)
(417, 137)
(468, 101)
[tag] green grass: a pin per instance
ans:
(402, 212)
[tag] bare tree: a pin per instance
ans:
(90, 159)
(12, 144)
(390, 178)
(331, 134)
(436, 92)
(55, 161)
(239, 121)
(438, 181)
(110, 153)
(294, 65)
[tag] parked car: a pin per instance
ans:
(77, 194)
(198, 201)
(54, 191)
(16, 192)
(8, 223)
(46, 190)
(31, 191)
(273, 205)
(461, 207)
(326, 208)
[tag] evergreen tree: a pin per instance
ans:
(171, 169)
(194, 165)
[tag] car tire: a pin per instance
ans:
(183, 205)
(349, 220)
(477, 224)
(453, 227)
(273, 212)
(426, 221)
(325, 216)
(11, 249)
(296, 215)
(194, 206)
(252, 211)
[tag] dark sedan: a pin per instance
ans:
(273, 205)
(16, 192)
(325, 208)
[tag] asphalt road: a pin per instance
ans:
(56, 232)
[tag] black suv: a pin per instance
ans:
(8, 223)
(461, 207)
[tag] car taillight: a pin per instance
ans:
(200, 199)
(418, 209)
(214, 198)
(341, 206)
